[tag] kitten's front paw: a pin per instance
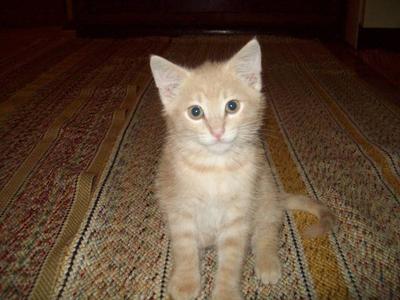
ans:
(184, 287)
(226, 294)
(268, 270)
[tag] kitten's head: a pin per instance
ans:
(216, 105)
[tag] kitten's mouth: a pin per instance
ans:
(213, 142)
(220, 147)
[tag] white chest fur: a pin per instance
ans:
(216, 196)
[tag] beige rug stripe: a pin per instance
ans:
(25, 94)
(85, 186)
(47, 277)
(123, 114)
(318, 252)
(16, 181)
(87, 183)
(341, 117)
(119, 118)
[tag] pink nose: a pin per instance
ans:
(218, 133)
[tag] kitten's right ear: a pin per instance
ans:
(168, 77)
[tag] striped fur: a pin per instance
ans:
(218, 191)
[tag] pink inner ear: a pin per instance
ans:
(251, 79)
(169, 91)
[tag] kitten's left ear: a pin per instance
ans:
(247, 64)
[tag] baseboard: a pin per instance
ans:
(322, 32)
(386, 38)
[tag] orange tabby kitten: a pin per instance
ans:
(213, 183)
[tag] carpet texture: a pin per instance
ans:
(323, 138)
(78, 226)
(56, 134)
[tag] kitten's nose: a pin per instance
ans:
(218, 132)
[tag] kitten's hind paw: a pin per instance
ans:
(226, 294)
(184, 288)
(268, 270)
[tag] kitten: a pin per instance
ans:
(213, 184)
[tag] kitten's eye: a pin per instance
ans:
(232, 106)
(195, 112)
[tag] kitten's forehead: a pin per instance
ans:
(211, 99)
(204, 95)
(211, 81)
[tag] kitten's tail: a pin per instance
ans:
(299, 202)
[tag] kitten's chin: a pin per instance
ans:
(219, 148)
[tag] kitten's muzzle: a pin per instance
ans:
(217, 133)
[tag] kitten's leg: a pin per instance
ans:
(231, 245)
(265, 239)
(185, 279)
(265, 249)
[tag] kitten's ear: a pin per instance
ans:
(247, 64)
(168, 77)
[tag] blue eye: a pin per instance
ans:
(232, 106)
(195, 112)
